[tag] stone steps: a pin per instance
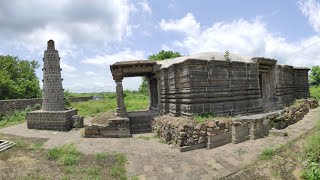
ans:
(140, 131)
(4, 145)
(140, 124)
(140, 121)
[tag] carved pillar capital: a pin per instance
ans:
(118, 79)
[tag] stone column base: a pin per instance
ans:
(51, 120)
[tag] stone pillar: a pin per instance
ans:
(52, 96)
(149, 90)
(121, 109)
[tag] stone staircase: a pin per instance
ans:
(141, 121)
(4, 145)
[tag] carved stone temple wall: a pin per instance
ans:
(210, 82)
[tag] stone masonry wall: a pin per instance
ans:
(21, 104)
(187, 134)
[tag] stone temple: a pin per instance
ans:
(214, 82)
(53, 115)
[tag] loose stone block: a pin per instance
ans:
(77, 121)
(240, 133)
(276, 132)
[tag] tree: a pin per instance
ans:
(18, 79)
(315, 76)
(162, 55)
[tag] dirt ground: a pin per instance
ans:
(28, 160)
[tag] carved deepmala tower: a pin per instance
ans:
(52, 94)
(53, 115)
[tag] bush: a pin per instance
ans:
(267, 154)
(13, 117)
(18, 79)
(315, 92)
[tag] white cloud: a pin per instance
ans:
(70, 22)
(165, 47)
(145, 6)
(249, 37)
(311, 9)
(90, 73)
(109, 59)
(67, 68)
(187, 25)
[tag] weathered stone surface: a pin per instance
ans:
(53, 115)
(77, 121)
(276, 132)
(114, 128)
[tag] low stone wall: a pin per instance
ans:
(188, 135)
(21, 104)
(114, 128)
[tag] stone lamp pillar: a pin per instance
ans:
(53, 115)
(52, 96)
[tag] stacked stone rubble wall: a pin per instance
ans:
(184, 132)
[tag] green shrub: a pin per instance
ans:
(267, 154)
(312, 171)
(315, 92)
(13, 117)
(203, 117)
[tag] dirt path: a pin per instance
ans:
(150, 159)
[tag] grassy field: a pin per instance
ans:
(133, 100)
(29, 161)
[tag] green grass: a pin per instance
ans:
(119, 170)
(160, 139)
(102, 156)
(311, 154)
(267, 154)
(133, 100)
(36, 146)
(66, 155)
(134, 178)
(315, 92)
(13, 118)
(93, 172)
(16, 117)
(211, 116)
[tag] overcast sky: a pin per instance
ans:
(92, 35)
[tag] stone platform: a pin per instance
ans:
(51, 120)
